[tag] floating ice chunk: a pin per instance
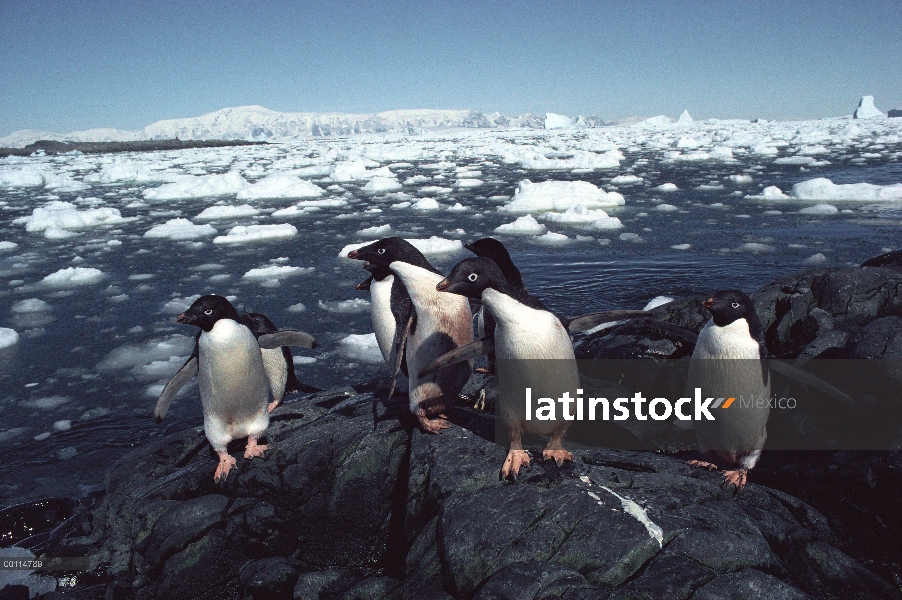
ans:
(681, 246)
(626, 180)
(8, 246)
(361, 348)
(819, 209)
(553, 121)
(525, 225)
(773, 212)
(796, 160)
(296, 308)
(153, 359)
(276, 272)
(866, 109)
(8, 337)
(357, 170)
(824, 189)
(346, 307)
(256, 233)
(631, 237)
(559, 196)
(755, 247)
(433, 246)
(376, 231)
(575, 214)
(740, 179)
(468, 183)
(685, 118)
(21, 177)
(179, 229)
(30, 306)
(667, 187)
(658, 121)
(58, 215)
(73, 277)
(379, 185)
(129, 171)
(46, 403)
(817, 259)
(212, 213)
(657, 301)
(426, 204)
(458, 207)
(202, 186)
(772, 192)
(434, 189)
(552, 239)
(687, 143)
(764, 149)
(63, 425)
(280, 186)
(666, 207)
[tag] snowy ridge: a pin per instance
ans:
(261, 124)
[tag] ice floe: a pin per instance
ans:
(559, 196)
(525, 225)
(58, 217)
(201, 186)
(243, 234)
(73, 277)
(180, 229)
(433, 246)
(276, 272)
(280, 186)
(361, 347)
(8, 337)
(213, 213)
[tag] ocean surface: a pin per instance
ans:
(95, 346)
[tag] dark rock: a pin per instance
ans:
(338, 509)
(324, 585)
(894, 112)
(887, 259)
(14, 592)
(54, 147)
(537, 580)
(270, 578)
(881, 338)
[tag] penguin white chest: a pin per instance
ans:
(381, 314)
(729, 341)
(523, 332)
(233, 384)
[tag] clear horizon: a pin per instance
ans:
(68, 67)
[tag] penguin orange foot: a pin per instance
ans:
(737, 478)
(515, 459)
(273, 405)
(701, 464)
(226, 463)
(432, 425)
(253, 450)
(558, 455)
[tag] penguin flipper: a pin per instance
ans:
(809, 379)
(459, 354)
(178, 381)
(287, 337)
(365, 284)
(586, 322)
(400, 347)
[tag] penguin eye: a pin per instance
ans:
(735, 305)
(208, 311)
(380, 251)
(472, 276)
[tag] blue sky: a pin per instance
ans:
(77, 65)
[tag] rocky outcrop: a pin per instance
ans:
(340, 509)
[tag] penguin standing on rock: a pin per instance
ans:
(728, 362)
(428, 324)
(535, 343)
(232, 374)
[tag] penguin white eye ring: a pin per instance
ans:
(472, 276)
(208, 312)
(735, 305)
(380, 251)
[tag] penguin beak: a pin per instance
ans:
(355, 255)
(183, 319)
(708, 303)
(443, 285)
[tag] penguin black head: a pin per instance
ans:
(388, 250)
(207, 310)
(492, 248)
(472, 276)
(731, 305)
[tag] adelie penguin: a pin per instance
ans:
(381, 285)
(232, 376)
(728, 361)
(534, 346)
(495, 250)
(427, 324)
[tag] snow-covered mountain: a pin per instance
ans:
(261, 124)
